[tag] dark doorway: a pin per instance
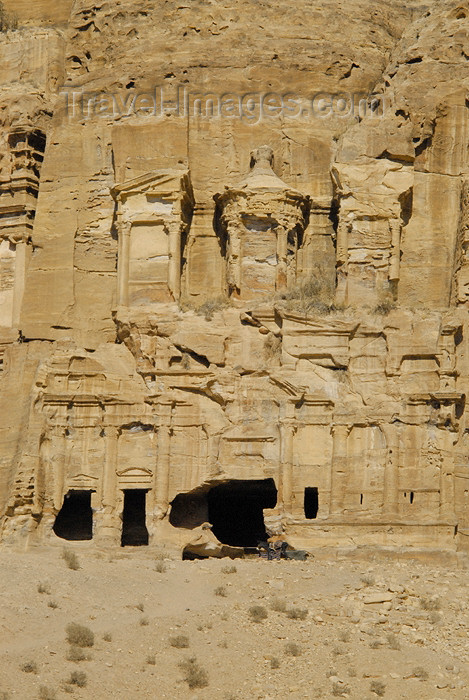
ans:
(235, 510)
(311, 502)
(134, 529)
(75, 519)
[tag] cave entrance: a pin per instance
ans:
(235, 510)
(134, 529)
(75, 519)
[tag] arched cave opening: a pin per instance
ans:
(134, 529)
(235, 510)
(75, 519)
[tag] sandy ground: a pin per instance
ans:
(381, 629)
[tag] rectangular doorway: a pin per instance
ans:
(134, 529)
(311, 502)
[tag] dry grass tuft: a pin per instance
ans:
(297, 613)
(144, 621)
(107, 636)
(293, 649)
(78, 678)
(46, 693)
(378, 688)
(151, 659)
(229, 570)
(44, 587)
(179, 642)
(430, 603)
(29, 667)
(421, 673)
(160, 567)
(79, 635)
(278, 605)
(194, 675)
(257, 613)
(77, 654)
(52, 604)
(274, 662)
(220, 591)
(70, 559)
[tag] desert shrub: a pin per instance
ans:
(420, 672)
(229, 570)
(272, 347)
(368, 579)
(144, 621)
(29, 667)
(77, 654)
(384, 308)
(70, 559)
(297, 613)
(179, 642)
(279, 605)
(78, 678)
(211, 306)
(378, 688)
(52, 604)
(430, 603)
(194, 675)
(220, 591)
(257, 613)
(79, 635)
(315, 293)
(43, 587)
(8, 20)
(293, 649)
(107, 636)
(393, 642)
(46, 693)
(274, 662)
(151, 659)
(160, 567)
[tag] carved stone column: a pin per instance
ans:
(107, 527)
(282, 251)
(163, 461)
(123, 259)
(285, 494)
(447, 512)
(391, 470)
(174, 271)
(338, 467)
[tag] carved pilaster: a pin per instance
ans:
(338, 467)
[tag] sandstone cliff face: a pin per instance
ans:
(234, 272)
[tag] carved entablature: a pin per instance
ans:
(440, 408)
(263, 220)
(153, 218)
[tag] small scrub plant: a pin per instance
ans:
(220, 591)
(70, 559)
(297, 613)
(278, 605)
(378, 688)
(393, 642)
(8, 20)
(144, 621)
(340, 689)
(293, 649)
(43, 587)
(211, 306)
(77, 654)
(79, 635)
(257, 613)
(160, 567)
(29, 667)
(430, 603)
(78, 678)
(52, 604)
(151, 659)
(107, 636)
(375, 644)
(140, 606)
(420, 673)
(274, 662)
(179, 642)
(368, 579)
(229, 570)
(46, 693)
(194, 675)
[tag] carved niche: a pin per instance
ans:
(153, 217)
(263, 220)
